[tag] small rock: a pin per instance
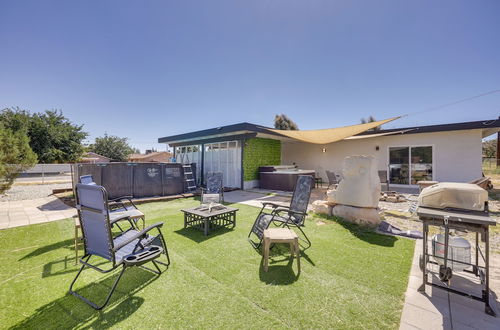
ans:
(392, 199)
(321, 207)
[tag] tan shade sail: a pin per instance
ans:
(368, 136)
(330, 135)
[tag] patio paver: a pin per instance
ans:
(27, 212)
(438, 309)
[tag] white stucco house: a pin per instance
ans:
(448, 152)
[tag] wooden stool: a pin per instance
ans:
(78, 239)
(280, 235)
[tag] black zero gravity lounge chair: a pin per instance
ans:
(214, 191)
(285, 216)
(120, 208)
(129, 248)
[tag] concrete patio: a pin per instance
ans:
(32, 211)
(438, 309)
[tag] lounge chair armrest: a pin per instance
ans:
(138, 235)
(274, 205)
(290, 212)
(219, 191)
(122, 200)
(124, 217)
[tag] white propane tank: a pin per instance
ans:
(458, 249)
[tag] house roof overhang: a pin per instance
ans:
(488, 127)
(248, 130)
(236, 131)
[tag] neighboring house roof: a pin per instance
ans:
(150, 155)
(92, 156)
(248, 130)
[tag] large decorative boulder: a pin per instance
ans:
(321, 207)
(360, 185)
(330, 196)
(360, 215)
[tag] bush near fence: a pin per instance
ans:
(138, 180)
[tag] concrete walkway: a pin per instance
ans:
(28, 212)
(437, 309)
(253, 198)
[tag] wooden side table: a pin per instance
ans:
(133, 214)
(78, 240)
(280, 235)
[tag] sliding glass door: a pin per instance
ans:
(408, 165)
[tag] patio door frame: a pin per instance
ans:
(233, 160)
(409, 146)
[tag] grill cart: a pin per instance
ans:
(477, 222)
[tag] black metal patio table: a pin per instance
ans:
(204, 219)
(476, 222)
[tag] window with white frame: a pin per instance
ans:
(408, 165)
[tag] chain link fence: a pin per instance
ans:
(491, 165)
(46, 173)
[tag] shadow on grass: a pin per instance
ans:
(279, 274)
(198, 236)
(69, 244)
(64, 266)
(362, 232)
(69, 312)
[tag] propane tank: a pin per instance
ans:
(459, 249)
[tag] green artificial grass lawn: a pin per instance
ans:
(351, 278)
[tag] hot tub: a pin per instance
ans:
(282, 177)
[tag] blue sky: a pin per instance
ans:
(146, 69)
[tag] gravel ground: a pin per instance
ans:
(24, 192)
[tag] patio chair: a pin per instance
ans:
(383, 178)
(332, 179)
(129, 248)
(120, 208)
(285, 216)
(214, 191)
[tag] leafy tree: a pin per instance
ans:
(51, 135)
(283, 122)
(370, 119)
(112, 147)
(15, 156)
(490, 148)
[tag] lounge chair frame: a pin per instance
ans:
(214, 185)
(144, 250)
(293, 215)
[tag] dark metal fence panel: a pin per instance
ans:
(135, 179)
(147, 180)
(86, 169)
(118, 179)
(173, 179)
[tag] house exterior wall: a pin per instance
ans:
(259, 152)
(456, 154)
